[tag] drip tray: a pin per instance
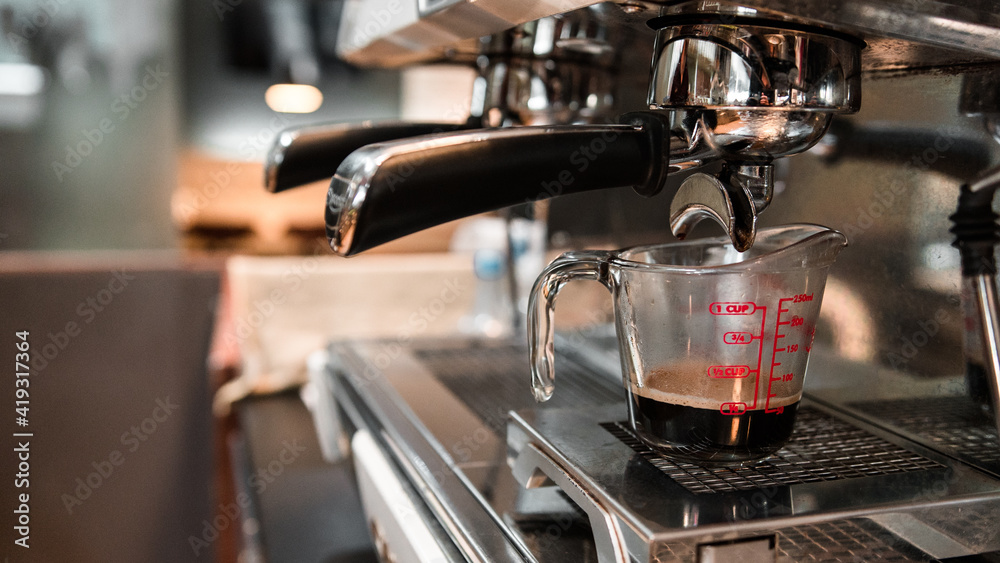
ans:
(843, 489)
(846, 541)
(822, 448)
(840, 490)
(954, 425)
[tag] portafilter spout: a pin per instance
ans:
(740, 90)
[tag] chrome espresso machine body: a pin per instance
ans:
(895, 454)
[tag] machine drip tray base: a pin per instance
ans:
(840, 490)
(567, 480)
(955, 425)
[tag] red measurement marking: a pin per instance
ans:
(774, 363)
(760, 355)
(729, 372)
(737, 337)
(733, 308)
(733, 408)
(742, 308)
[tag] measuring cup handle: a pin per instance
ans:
(579, 265)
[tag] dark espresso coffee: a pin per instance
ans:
(694, 429)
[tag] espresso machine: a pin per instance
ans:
(750, 115)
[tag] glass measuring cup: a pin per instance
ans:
(714, 343)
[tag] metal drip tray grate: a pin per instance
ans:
(954, 425)
(847, 541)
(822, 448)
(493, 380)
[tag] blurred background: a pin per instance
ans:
(142, 256)
(132, 135)
(143, 125)
(112, 111)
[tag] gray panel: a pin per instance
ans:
(120, 464)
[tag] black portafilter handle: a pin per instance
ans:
(304, 155)
(386, 191)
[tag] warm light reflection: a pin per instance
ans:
(852, 322)
(293, 98)
(19, 79)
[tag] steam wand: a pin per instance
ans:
(976, 235)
